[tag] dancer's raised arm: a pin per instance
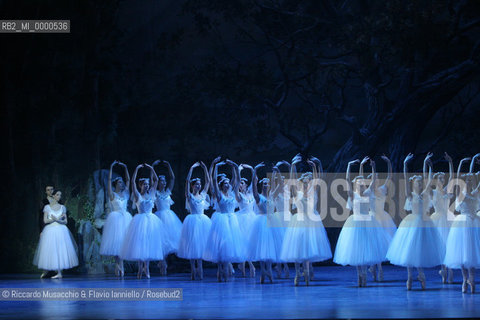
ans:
(389, 174)
(349, 181)
(207, 184)
(214, 183)
(154, 178)
(475, 158)
(373, 183)
(249, 167)
(210, 173)
(319, 166)
(360, 170)
(188, 179)
(408, 190)
(171, 176)
(235, 179)
(450, 170)
(425, 164)
(255, 182)
(110, 192)
(429, 177)
(127, 175)
(136, 194)
(459, 172)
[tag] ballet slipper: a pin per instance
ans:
(147, 271)
(286, 270)
(471, 284)
(44, 274)
(58, 276)
(443, 274)
(421, 278)
(409, 284)
(139, 273)
(450, 276)
(464, 286)
(117, 270)
(252, 270)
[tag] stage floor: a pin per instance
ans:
(333, 294)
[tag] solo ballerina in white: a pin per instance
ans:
(56, 249)
(118, 220)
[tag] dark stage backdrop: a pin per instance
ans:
(250, 80)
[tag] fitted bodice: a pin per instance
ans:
(440, 201)
(226, 204)
(196, 205)
(119, 202)
(163, 201)
(359, 204)
(303, 203)
(145, 203)
(376, 199)
(418, 203)
(247, 202)
(469, 205)
(263, 205)
(280, 203)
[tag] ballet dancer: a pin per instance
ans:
(463, 241)
(362, 241)
(417, 242)
(56, 249)
(224, 244)
(246, 214)
(172, 224)
(118, 220)
(144, 240)
(266, 240)
(196, 225)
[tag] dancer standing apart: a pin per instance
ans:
(118, 220)
(443, 217)
(463, 242)
(56, 249)
(266, 240)
(144, 240)
(362, 241)
(172, 224)
(246, 215)
(224, 243)
(196, 225)
(378, 196)
(417, 242)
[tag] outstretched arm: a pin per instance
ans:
(349, 180)
(235, 179)
(171, 176)
(154, 178)
(256, 196)
(136, 194)
(189, 177)
(374, 176)
(429, 178)
(425, 165)
(127, 175)
(249, 167)
(214, 183)
(110, 192)
(459, 171)
(207, 177)
(277, 184)
(360, 170)
(408, 191)
(389, 175)
(450, 169)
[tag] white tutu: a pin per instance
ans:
(144, 239)
(173, 229)
(305, 240)
(387, 223)
(224, 242)
(362, 241)
(443, 222)
(56, 249)
(417, 243)
(114, 231)
(463, 242)
(265, 241)
(193, 237)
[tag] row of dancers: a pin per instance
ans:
(272, 224)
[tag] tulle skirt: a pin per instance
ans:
(246, 218)
(173, 229)
(266, 241)
(144, 239)
(56, 249)
(443, 222)
(224, 242)
(193, 237)
(362, 241)
(386, 222)
(114, 231)
(417, 243)
(463, 243)
(305, 240)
